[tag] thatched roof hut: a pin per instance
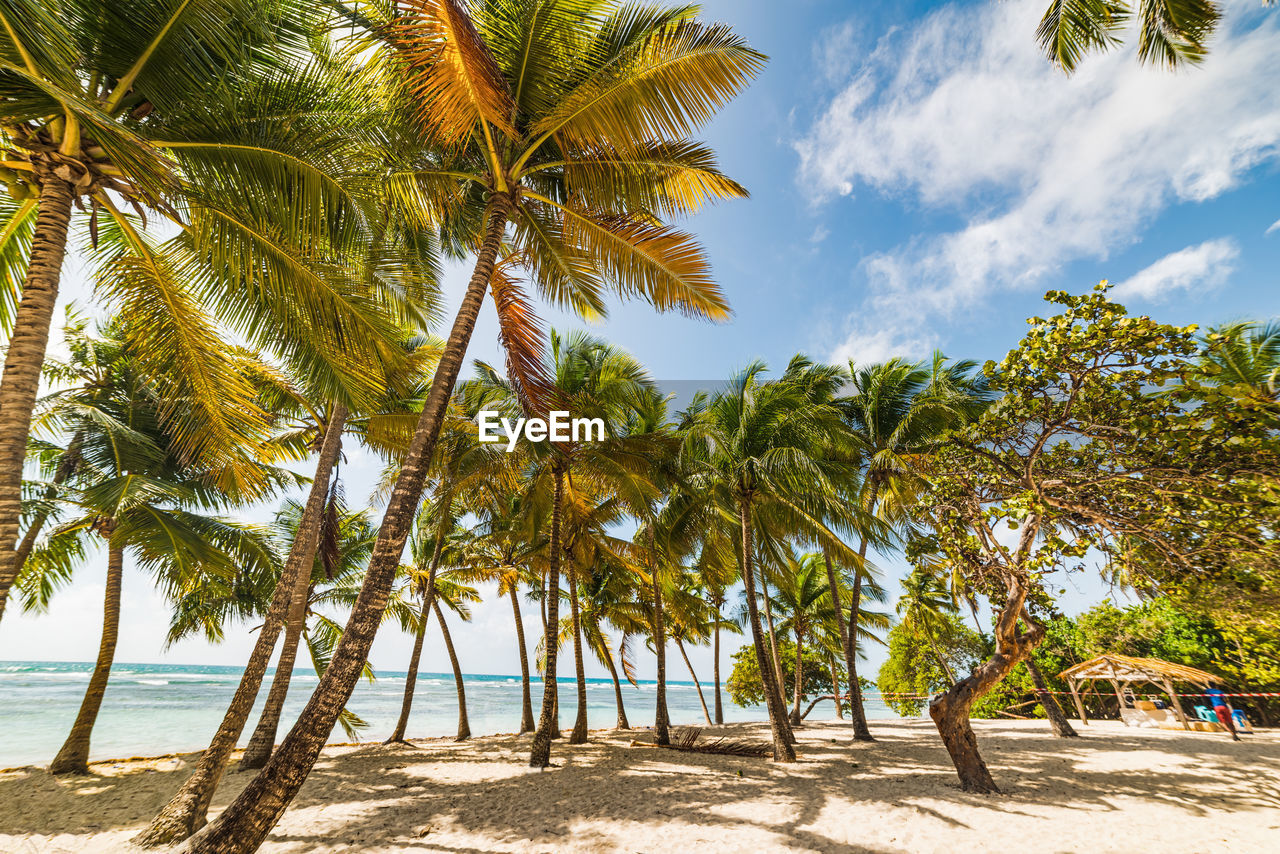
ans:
(1125, 669)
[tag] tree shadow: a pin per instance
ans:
(614, 792)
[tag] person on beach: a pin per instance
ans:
(1218, 700)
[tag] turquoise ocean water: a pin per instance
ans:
(164, 708)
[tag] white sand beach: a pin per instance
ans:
(1113, 789)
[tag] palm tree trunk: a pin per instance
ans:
(243, 825)
(799, 679)
(661, 716)
(73, 758)
(411, 676)
(555, 704)
(937, 654)
(773, 638)
(186, 812)
(540, 752)
(716, 669)
(66, 467)
(24, 359)
(694, 676)
(857, 711)
(428, 596)
(835, 682)
(782, 737)
(844, 629)
(263, 740)
(464, 726)
(526, 704)
(1057, 720)
(623, 723)
(579, 734)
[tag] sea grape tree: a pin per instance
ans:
(1098, 453)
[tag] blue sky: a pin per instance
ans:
(919, 178)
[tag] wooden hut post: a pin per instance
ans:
(1075, 695)
(1177, 706)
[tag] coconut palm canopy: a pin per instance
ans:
(264, 193)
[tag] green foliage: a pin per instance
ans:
(912, 668)
(745, 688)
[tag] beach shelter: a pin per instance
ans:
(1123, 670)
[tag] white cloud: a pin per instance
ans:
(1275, 226)
(864, 344)
(1195, 268)
(961, 114)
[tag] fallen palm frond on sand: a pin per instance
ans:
(687, 740)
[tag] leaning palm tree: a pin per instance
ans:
(320, 428)
(206, 117)
(570, 120)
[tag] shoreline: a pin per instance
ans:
(1177, 792)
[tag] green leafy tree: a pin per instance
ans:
(1095, 447)
(915, 669)
(745, 687)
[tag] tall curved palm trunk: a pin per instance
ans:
(24, 359)
(783, 751)
(579, 734)
(540, 752)
(263, 740)
(694, 676)
(415, 659)
(249, 818)
(464, 726)
(526, 700)
(186, 812)
(622, 722)
(73, 758)
(428, 598)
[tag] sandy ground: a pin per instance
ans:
(1114, 789)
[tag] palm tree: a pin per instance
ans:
(500, 549)
(591, 379)
(1174, 35)
(896, 410)
(572, 121)
(461, 463)
(135, 490)
(924, 603)
(201, 119)
(804, 599)
(759, 452)
(455, 596)
(318, 428)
